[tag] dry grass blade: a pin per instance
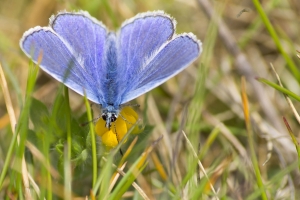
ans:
(13, 122)
(8, 103)
(242, 63)
(286, 97)
(200, 165)
(294, 139)
(34, 185)
(122, 164)
(218, 171)
(166, 146)
(264, 128)
(155, 116)
(116, 176)
(159, 167)
(129, 149)
(244, 68)
(226, 132)
(134, 184)
(254, 160)
(298, 54)
(37, 154)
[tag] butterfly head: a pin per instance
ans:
(109, 115)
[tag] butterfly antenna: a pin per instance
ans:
(93, 120)
(126, 119)
(92, 104)
(130, 105)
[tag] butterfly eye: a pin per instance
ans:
(113, 117)
(104, 116)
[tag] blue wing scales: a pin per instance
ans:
(170, 59)
(138, 39)
(76, 60)
(150, 52)
(87, 36)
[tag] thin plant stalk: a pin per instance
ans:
(7, 159)
(276, 40)
(67, 174)
(67, 162)
(294, 139)
(93, 140)
(68, 115)
(280, 88)
(259, 181)
(23, 117)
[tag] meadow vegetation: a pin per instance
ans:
(224, 128)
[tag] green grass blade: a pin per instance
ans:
(68, 152)
(130, 176)
(294, 139)
(259, 181)
(276, 40)
(256, 25)
(93, 140)
(105, 177)
(279, 88)
(22, 125)
(7, 159)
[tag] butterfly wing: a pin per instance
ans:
(151, 53)
(72, 50)
(138, 39)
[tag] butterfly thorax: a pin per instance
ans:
(109, 115)
(111, 102)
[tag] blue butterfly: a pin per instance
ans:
(112, 68)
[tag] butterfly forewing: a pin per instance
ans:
(57, 59)
(155, 54)
(139, 38)
(87, 37)
(79, 51)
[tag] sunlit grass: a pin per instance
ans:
(209, 148)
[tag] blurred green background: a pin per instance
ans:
(204, 101)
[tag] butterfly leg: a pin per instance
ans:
(118, 138)
(130, 105)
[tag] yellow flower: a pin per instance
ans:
(111, 137)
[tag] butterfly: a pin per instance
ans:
(111, 68)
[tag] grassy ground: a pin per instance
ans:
(221, 119)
